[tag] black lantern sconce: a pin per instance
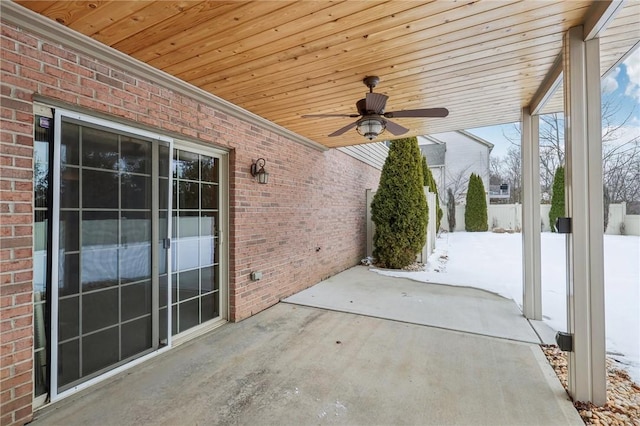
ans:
(257, 170)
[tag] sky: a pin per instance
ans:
(621, 85)
(457, 261)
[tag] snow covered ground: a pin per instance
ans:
(493, 262)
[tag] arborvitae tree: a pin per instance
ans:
(399, 208)
(557, 198)
(430, 181)
(451, 210)
(425, 171)
(475, 214)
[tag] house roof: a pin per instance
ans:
(483, 60)
(477, 139)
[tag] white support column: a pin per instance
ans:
(532, 287)
(583, 194)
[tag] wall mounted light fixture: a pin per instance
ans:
(257, 170)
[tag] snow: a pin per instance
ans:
(493, 262)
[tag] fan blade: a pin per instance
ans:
(425, 112)
(395, 129)
(376, 102)
(344, 129)
(330, 115)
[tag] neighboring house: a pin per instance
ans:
(452, 157)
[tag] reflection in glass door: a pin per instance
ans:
(110, 253)
(195, 279)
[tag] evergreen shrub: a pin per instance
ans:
(557, 198)
(399, 207)
(475, 214)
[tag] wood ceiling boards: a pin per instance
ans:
(483, 60)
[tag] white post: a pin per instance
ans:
(532, 287)
(583, 194)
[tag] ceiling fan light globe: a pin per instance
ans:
(370, 128)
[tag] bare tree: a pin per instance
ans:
(621, 171)
(458, 182)
(508, 169)
(621, 159)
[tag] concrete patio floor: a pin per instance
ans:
(303, 365)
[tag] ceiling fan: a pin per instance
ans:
(374, 118)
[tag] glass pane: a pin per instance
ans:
(69, 274)
(208, 280)
(163, 323)
(174, 289)
(99, 310)
(99, 229)
(174, 224)
(164, 161)
(174, 320)
(209, 196)
(188, 284)
(136, 192)
(163, 194)
(187, 165)
(163, 225)
(39, 331)
(136, 300)
(99, 350)
(68, 362)
(189, 195)
(40, 254)
(70, 149)
(174, 255)
(135, 262)
(135, 227)
(40, 373)
(40, 172)
(207, 250)
(210, 306)
(162, 258)
(68, 318)
(69, 230)
(209, 168)
(189, 315)
(187, 253)
(99, 268)
(135, 155)
(69, 188)
(175, 164)
(99, 189)
(188, 224)
(136, 336)
(208, 222)
(99, 149)
(174, 200)
(163, 290)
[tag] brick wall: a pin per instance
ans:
(307, 224)
(16, 225)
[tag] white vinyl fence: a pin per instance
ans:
(429, 246)
(509, 216)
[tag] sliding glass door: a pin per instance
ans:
(111, 248)
(127, 246)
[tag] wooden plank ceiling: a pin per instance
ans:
(483, 60)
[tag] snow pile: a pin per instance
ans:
(493, 262)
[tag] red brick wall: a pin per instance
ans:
(307, 224)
